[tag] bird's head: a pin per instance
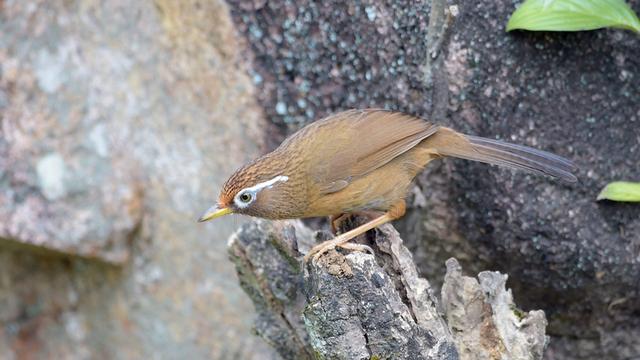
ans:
(249, 191)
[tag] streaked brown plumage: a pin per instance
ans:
(361, 160)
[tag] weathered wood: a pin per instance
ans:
(361, 306)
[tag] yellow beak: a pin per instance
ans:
(214, 212)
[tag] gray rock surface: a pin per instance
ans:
(118, 122)
(361, 306)
(575, 94)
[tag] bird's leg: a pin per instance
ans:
(396, 211)
(341, 239)
(336, 220)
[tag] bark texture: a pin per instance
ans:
(361, 306)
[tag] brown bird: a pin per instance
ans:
(361, 161)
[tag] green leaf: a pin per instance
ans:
(573, 15)
(621, 191)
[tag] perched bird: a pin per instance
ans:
(361, 161)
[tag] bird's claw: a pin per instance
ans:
(357, 247)
(317, 251)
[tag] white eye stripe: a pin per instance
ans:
(253, 190)
(267, 184)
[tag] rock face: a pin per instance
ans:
(362, 306)
(118, 122)
(575, 94)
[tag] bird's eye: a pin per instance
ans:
(245, 198)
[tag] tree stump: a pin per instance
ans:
(359, 306)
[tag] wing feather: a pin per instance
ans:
(380, 136)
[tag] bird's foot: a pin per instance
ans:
(322, 248)
(339, 241)
(357, 247)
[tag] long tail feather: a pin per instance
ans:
(523, 157)
(447, 142)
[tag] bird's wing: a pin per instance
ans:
(353, 143)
